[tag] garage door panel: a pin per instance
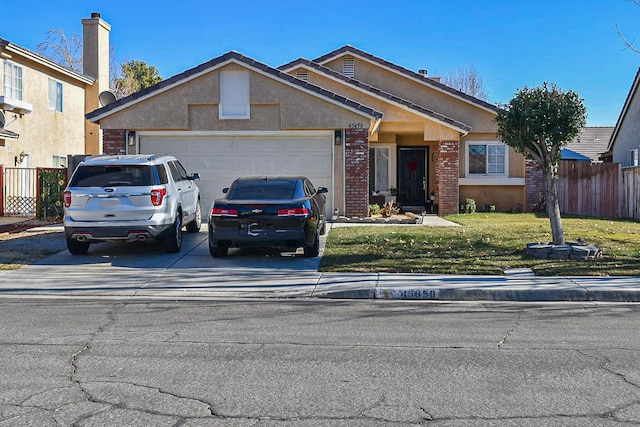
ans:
(221, 159)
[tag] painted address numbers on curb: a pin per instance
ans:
(414, 293)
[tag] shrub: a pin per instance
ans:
(389, 209)
(374, 210)
(469, 205)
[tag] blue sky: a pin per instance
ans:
(511, 43)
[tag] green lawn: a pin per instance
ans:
(486, 243)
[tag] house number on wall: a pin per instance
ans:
(356, 125)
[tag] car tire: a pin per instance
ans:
(194, 226)
(219, 251)
(313, 250)
(173, 242)
(77, 248)
(323, 227)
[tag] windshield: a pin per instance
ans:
(263, 189)
(109, 176)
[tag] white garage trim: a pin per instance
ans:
(220, 157)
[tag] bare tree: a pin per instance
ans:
(62, 50)
(467, 80)
(630, 44)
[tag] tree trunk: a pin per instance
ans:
(553, 207)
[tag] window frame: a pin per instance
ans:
(375, 175)
(10, 79)
(487, 144)
(235, 101)
(55, 99)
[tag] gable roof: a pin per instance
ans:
(447, 121)
(350, 50)
(623, 113)
(10, 48)
(232, 57)
(592, 141)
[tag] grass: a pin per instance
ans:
(486, 243)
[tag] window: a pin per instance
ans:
(348, 67)
(302, 75)
(59, 161)
(234, 95)
(487, 159)
(55, 96)
(379, 169)
(12, 81)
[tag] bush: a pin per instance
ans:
(469, 206)
(374, 210)
(389, 209)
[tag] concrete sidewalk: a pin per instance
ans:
(146, 272)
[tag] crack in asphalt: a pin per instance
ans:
(513, 328)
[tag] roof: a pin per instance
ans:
(215, 63)
(350, 50)
(592, 141)
(6, 45)
(382, 94)
(623, 113)
(568, 154)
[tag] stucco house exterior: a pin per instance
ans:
(350, 121)
(624, 146)
(44, 103)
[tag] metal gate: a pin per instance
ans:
(20, 191)
(33, 191)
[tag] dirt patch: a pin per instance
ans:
(19, 248)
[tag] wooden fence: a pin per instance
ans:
(630, 206)
(593, 190)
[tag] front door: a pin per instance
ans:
(412, 176)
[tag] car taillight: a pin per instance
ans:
(224, 212)
(157, 196)
(293, 211)
(66, 199)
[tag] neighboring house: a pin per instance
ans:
(625, 140)
(44, 105)
(592, 142)
(348, 120)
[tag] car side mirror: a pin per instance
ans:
(194, 177)
(322, 190)
(224, 190)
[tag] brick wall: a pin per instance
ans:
(356, 157)
(114, 141)
(534, 183)
(447, 163)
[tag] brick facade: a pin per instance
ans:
(356, 158)
(114, 141)
(447, 161)
(534, 184)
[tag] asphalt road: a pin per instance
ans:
(317, 363)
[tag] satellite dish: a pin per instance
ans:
(2, 120)
(106, 97)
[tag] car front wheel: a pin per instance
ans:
(173, 242)
(194, 226)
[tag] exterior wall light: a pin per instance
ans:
(337, 138)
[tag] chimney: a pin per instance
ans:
(95, 63)
(423, 73)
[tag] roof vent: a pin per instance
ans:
(423, 72)
(95, 14)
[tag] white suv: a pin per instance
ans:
(130, 198)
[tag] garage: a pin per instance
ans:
(221, 157)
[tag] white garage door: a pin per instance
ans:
(220, 159)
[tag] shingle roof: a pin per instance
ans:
(592, 141)
(233, 55)
(378, 92)
(348, 49)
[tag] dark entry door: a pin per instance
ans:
(412, 176)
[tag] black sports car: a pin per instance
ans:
(268, 211)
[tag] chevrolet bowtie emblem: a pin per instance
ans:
(256, 211)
